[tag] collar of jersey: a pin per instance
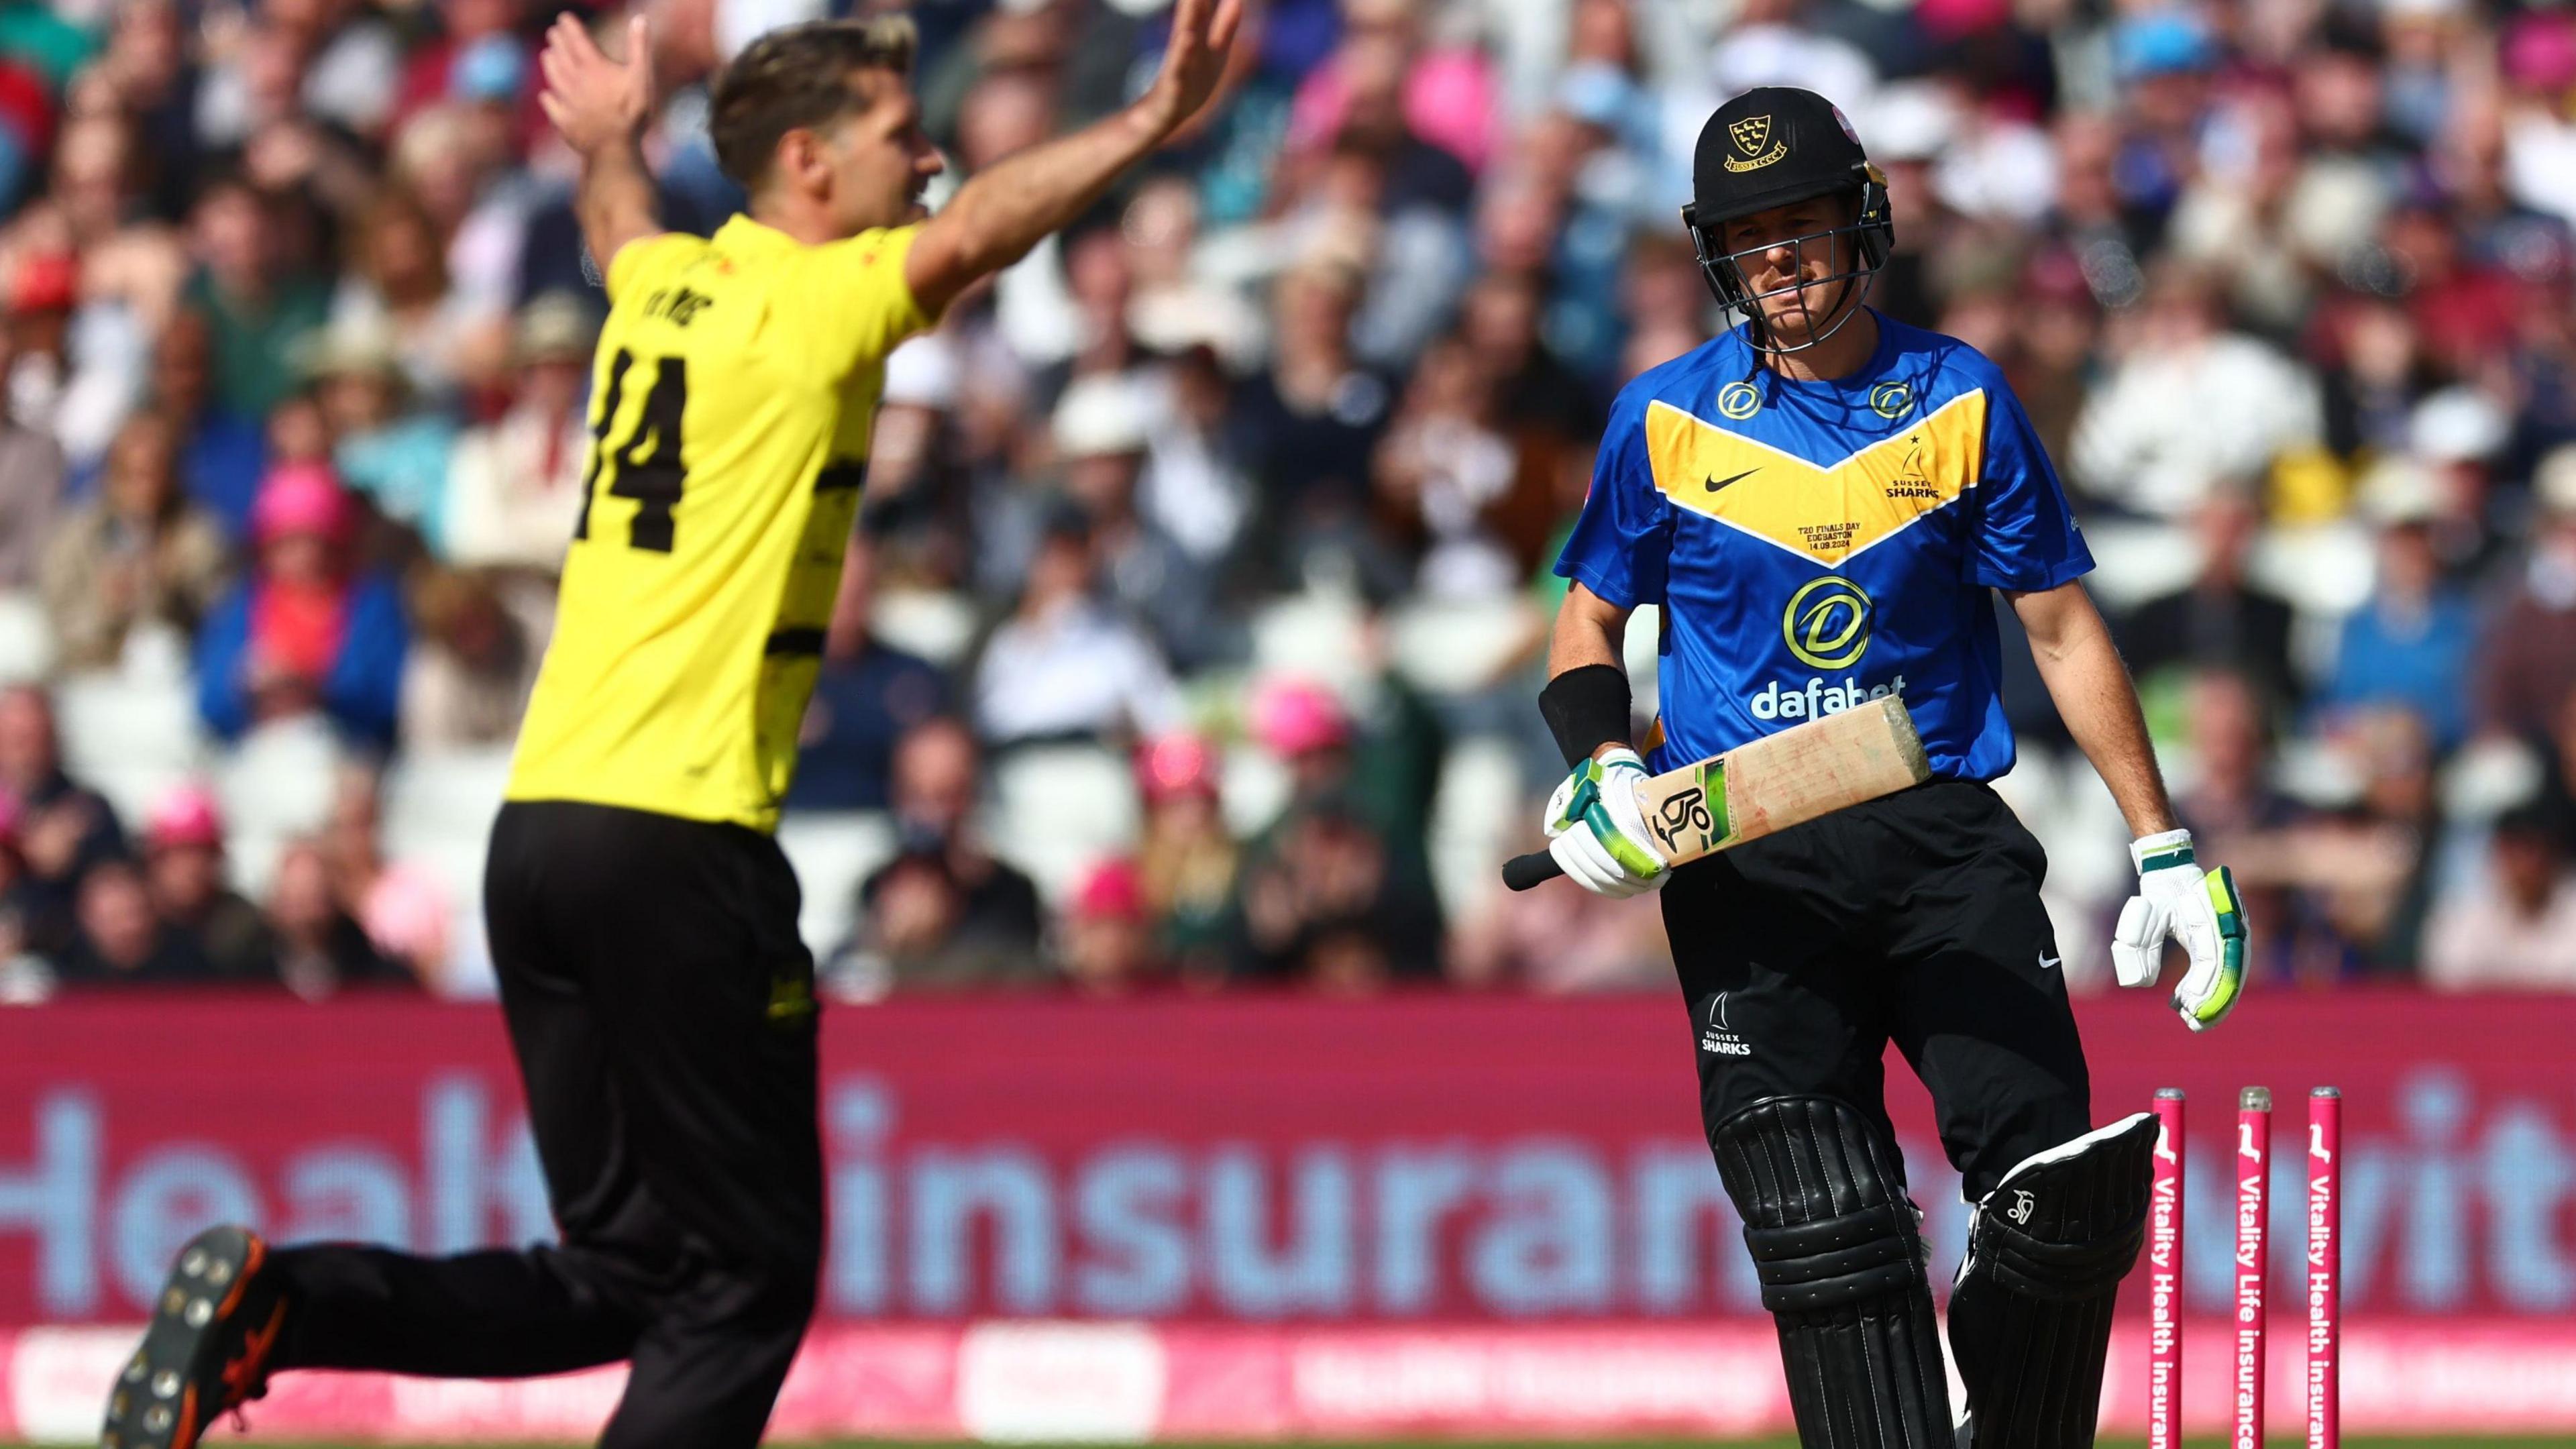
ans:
(741, 233)
(1880, 359)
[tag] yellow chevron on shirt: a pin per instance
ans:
(1826, 513)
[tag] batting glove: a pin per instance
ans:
(1596, 831)
(2178, 900)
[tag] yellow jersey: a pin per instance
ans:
(736, 382)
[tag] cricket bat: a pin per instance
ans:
(1768, 785)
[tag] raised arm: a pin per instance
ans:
(601, 107)
(995, 218)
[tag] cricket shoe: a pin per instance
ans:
(207, 1350)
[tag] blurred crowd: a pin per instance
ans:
(1197, 608)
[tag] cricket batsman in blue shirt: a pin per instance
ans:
(1820, 501)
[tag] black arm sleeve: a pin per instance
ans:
(1585, 708)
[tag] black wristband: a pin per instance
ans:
(1585, 708)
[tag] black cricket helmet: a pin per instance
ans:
(1769, 147)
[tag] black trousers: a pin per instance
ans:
(662, 1010)
(1915, 918)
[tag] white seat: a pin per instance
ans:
(2325, 568)
(1314, 635)
(2487, 778)
(832, 850)
(133, 737)
(1457, 646)
(933, 624)
(1252, 790)
(276, 785)
(2139, 561)
(438, 810)
(1475, 819)
(26, 639)
(113, 719)
(1058, 809)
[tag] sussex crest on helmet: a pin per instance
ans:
(1750, 134)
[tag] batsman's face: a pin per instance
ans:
(1797, 262)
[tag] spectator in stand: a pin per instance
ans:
(308, 632)
(2365, 871)
(1187, 862)
(2219, 618)
(2189, 402)
(943, 912)
(137, 555)
(1325, 894)
(2223, 794)
(321, 948)
(2527, 660)
(1443, 469)
(1545, 406)
(393, 454)
(31, 488)
(64, 830)
(258, 304)
(1310, 421)
(402, 907)
(1102, 428)
(868, 695)
(472, 664)
(224, 453)
(2411, 645)
(2513, 928)
(1108, 948)
(2379, 372)
(1557, 942)
(121, 942)
(400, 300)
(25, 976)
(514, 486)
(2457, 433)
(64, 378)
(1064, 666)
(184, 868)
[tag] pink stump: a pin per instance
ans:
(2325, 1249)
(2253, 1184)
(2164, 1278)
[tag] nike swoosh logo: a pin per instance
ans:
(242, 1374)
(1715, 484)
(2046, 962)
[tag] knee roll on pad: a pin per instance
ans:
(2030, 1316)
(1837, 1248)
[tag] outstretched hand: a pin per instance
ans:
(596, 101)
(1203, 33)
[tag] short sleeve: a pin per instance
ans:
(2026, 534)
(648, 262)
(1624, 537)
(856, 304)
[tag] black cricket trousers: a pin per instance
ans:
(1914, 919)
(662, 1009)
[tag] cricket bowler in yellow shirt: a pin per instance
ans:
(642, 917)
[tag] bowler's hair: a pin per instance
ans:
(798, 78)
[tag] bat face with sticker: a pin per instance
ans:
(1768, 785)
